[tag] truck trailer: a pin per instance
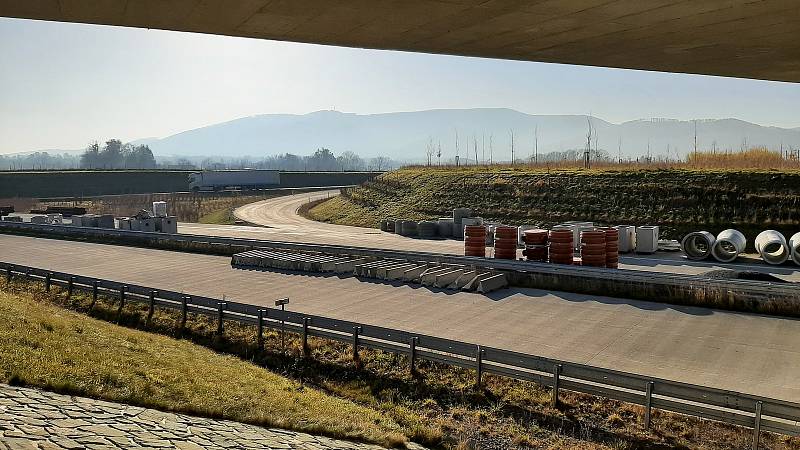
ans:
(234, 179)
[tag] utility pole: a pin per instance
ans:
(457, 153)
(475, 146)
(491, 150)
(439, 154)
(512, 147)
(588, 144)
(536, 144)
(695, 137)
(619, 149)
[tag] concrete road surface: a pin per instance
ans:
(742, 352)
(278, 220)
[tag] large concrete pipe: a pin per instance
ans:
(794, 248)
(729, 244)
(771, 245)
(697, 245)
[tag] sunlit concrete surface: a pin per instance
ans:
(740, 38)
(742, 352)
(280, 221)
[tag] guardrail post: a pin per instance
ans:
(122, 290)
(260, 338)
(28, 273)
(412, 355)
(95, 285)
(356, 330)
(478, 367)
(556, 377)
(648, 403)
(305, 336)
(151, 305)
(220, 313)
(757, 426)
(47, 282)
(184, 308)
(70, 285)
(9, 269)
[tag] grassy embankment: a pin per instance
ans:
(679, 200)
(201, 207)
(49, 341)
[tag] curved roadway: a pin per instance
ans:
(277, 219)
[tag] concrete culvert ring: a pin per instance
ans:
(697, 245)
(772, 247)
(794, 247)
(729, 244)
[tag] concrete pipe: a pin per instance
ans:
(729, 244)
(697, 245)
(794, 248)
(771, 245)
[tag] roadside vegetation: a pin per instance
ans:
(208, 207)
(678, 199)
(60, 344)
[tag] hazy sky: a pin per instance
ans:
(63, 85)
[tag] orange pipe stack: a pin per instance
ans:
(475, 240)
(593, 248)
(612, 247)
(535, 245)
(505, 242)
(560, 248)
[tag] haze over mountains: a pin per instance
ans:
(404, 136)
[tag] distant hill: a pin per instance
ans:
(405, 135)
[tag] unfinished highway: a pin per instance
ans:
(277, 219)
(742, 352)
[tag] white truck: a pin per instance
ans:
(215, 180)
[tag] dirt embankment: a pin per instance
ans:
(678, 200)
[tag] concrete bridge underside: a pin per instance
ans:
(738, 38)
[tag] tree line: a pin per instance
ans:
(116, 155)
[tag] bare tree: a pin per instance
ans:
(429, 150)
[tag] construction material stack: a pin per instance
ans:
(458, 215)
(427, 229)
(535, 242)
(612, 247)
(593, 248)
(475, 240)
(505, 242)
(560, 248)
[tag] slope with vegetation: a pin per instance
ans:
(60, 344)
(677, 199)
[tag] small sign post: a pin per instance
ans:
(282, 303)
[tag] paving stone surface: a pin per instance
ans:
(34, 419)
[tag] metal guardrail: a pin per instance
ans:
(759, 413)
(749, 288)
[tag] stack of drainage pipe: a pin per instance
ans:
(627, 238)
(398, 226)
(427, 229)
(535, 245)
(458, 230)
(475, 240)
(697, 245)
(560, 248)
(612, 247)
(772, 247)
(458, 215)
(445, 227)
(505, 242)
(794, 248)
(729, 244)
(593, 248)
(409, 228)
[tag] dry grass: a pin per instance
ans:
(46, 346)
(439, 408)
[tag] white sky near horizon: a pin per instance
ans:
(64, 85)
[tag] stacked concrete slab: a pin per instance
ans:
(444, 276)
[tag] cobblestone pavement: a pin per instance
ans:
(34, 419)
